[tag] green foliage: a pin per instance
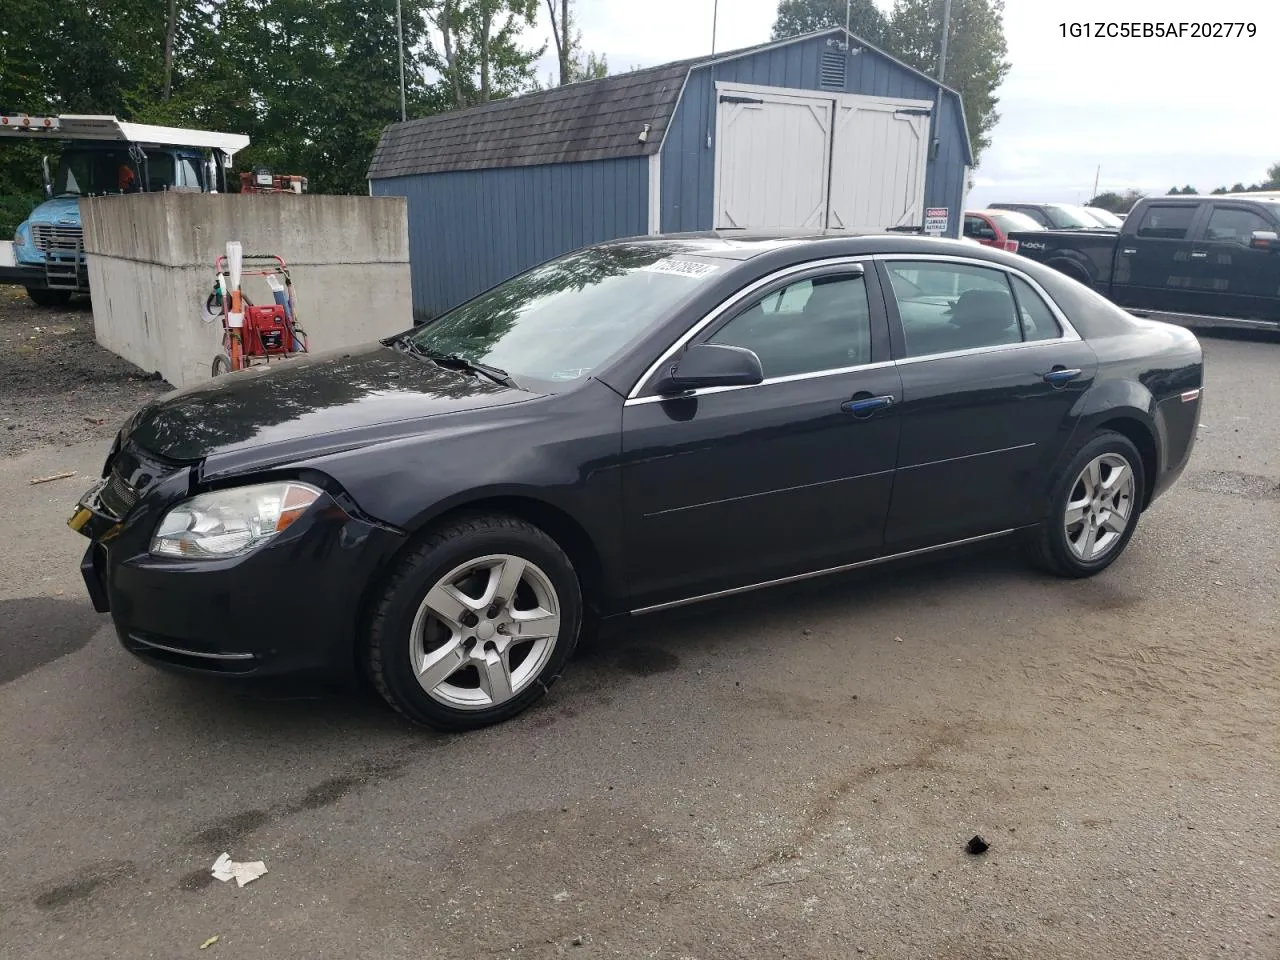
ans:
(15, 209)
(977, 55)
(312, 82)
(1116, 202)
(805, 16)
(1188, 190)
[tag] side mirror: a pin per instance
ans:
(1264, 240)
(712, 365)
(48, 180)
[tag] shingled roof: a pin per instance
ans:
(589, 120)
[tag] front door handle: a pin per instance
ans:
(1129, 250)
(1060, 376)
(863, 405)
(1199, 254)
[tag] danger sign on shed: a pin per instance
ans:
(935, 220)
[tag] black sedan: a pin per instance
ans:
(631, 427)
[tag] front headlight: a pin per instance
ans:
(227, 523)
(20, 236)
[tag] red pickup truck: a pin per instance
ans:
(991, 228)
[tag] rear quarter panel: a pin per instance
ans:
(1152, 373)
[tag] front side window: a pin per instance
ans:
(1234, 225)
(945, 307)
(978, 228)
(806, 327)
(1166, 221)
(560, 321)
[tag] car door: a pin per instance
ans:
(1153, 266)
(1230, 278)
(726, 487)
(990, 372)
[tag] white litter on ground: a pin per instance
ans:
(224, 869)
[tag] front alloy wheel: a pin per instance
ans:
(474, 623)
(484, 632)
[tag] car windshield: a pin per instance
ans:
(560, 321)
(83, 173)
(1104, 217)
(1064, 216)
(1009, 220)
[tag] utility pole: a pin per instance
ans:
(946, 29)
(400, 47)
(1096, 177)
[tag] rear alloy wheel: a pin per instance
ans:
(475, 624)
(1095, 508)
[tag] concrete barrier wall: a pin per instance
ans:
(151, 269)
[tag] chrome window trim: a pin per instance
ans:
(725, 306)
(1069, 333)
(789, 378)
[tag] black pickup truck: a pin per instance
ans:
(1196, 261)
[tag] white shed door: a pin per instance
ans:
(880, 150)
(772, 159)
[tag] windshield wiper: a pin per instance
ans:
(456, 361)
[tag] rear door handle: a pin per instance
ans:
(1129, 250)
(863, 406)
(1199, 254)
(1059, 376)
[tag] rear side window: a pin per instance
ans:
(1038, 321)
(1166, 221)
(1234, 225)
(946, 307)
(949, 306)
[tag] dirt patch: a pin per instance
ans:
(57, 385)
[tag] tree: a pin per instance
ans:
(1116, 202)
(805, 16)
(573, 62)
(976, 54)
(482, 58)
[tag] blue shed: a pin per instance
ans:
(819, 131)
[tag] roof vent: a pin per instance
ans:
(832, 72)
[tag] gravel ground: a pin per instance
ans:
(56, 384)
(793, 774)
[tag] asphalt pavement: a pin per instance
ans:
(789, 774)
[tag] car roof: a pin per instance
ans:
(743, 245)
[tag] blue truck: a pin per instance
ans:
(100, 155)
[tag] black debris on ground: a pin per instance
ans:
(57, 385)
(977, 845)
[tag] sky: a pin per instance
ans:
(1150, 112)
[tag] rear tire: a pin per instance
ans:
(49, 298)
(474, 624)
(1094, 508)
(221, 365)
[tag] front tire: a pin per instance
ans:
(1094, 509)
(49, 298)
(474, 624)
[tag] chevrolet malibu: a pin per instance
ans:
(631, 427)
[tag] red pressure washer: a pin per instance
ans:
(253, 334)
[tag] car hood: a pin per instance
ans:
(308, 405)
(64, 211)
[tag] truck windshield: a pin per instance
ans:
(1064, 216)
(559, 321)
(83, 173)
